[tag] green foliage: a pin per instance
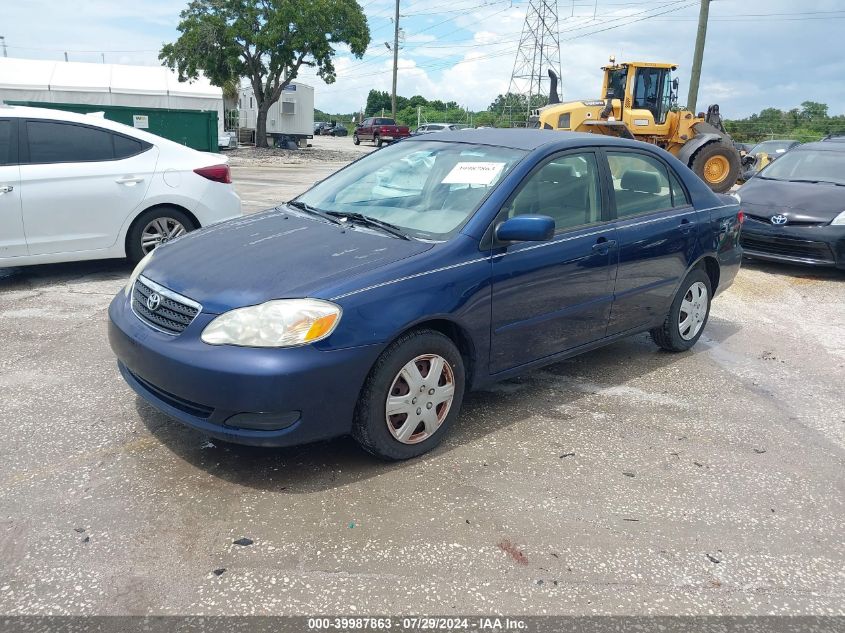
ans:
(810, 122)
(265, 41)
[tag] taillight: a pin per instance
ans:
(740, 217)
(217, 173)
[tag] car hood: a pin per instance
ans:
(277, 254)
(798, 201)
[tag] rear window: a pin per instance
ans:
(385, 122)
(5, 142)
(125, 146)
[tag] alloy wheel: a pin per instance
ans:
(159, 231)
(419, 398)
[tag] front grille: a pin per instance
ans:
(174, 312)
(768, 220)
(789, 247)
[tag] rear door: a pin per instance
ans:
(79, 184)
(12, 238)
(549, 297)
(657, 229)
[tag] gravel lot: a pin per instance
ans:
(625, 481)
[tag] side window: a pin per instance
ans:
(54, 142)
(5, 142)
(640, 184)
(566, 188)
(679, 195)
(124, 147)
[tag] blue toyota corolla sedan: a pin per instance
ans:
(371, 303)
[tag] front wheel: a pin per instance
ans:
(718, 165)
(356, 140)
(688, 315)
(412, 394)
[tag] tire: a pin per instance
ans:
(356, 140)
(671, 336)
(718, 165)
(377, 141)
(372, 426)
(141, 231)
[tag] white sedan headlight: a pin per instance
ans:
(135, 273)
(279, 323)
(839, 219)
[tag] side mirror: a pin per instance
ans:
(526, 228)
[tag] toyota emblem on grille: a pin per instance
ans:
(153, 301)
(779, 219)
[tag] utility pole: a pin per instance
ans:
(698, 56)
(395, 58)
(3, 38)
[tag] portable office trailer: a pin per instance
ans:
(290, 121)
(147, 97)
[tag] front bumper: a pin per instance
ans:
(821, 245)
(285, 396)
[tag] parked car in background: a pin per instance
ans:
(762, 154)
(439, 127)
(76, 187)
(354, 310)
(334, 129)
(795, 207)
(319, 126)
(379, 130)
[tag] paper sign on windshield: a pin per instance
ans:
(473, 174)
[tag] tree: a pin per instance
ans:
(266, 41)
(814, 111)
(377, 100)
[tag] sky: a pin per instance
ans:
(759, 53)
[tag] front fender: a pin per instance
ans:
(693, 145)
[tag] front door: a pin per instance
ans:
(79, 184)
(657, 229)
(549, 297)
(12, 238)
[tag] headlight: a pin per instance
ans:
(839, 219)
(135, 273)
(280, 323)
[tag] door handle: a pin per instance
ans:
(6, 188)
(129, 180)
(686, 226)
(603, 245)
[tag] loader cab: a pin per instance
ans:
(647, 93)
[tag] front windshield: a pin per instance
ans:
(812, 165)
(771, 147)
(429, 189)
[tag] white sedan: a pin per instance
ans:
(76, 187)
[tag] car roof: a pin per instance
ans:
(823, 146)
(516, 138)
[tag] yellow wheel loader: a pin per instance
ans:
(639, 103)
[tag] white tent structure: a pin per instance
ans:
(105, 84)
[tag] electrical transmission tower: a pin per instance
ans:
(539, 51)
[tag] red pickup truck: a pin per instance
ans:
(379, 130)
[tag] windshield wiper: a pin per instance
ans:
(360, 218)
(303, 206)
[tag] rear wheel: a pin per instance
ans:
(412, 394)
(718, 165)
(356, 140)
(377, 141)
(688, 314)
(155, 227)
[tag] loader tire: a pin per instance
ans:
(718, 165)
